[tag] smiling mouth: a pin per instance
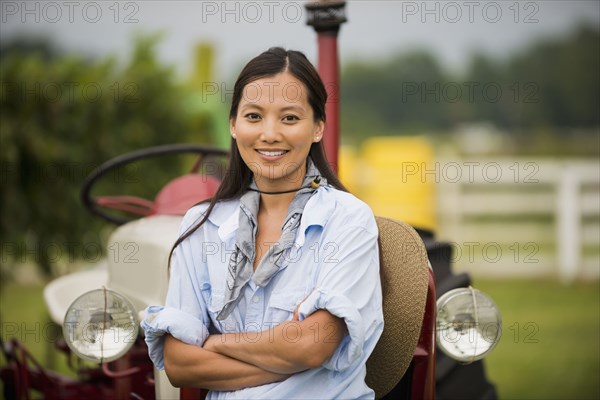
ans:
(272, 153)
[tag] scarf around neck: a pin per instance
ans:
(240, 269)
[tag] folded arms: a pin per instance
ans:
(234, 361)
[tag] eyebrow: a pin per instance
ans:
(284, 109)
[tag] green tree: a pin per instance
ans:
(405, 91)
(564, 75)
(60, 118)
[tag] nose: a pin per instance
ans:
(270, 132)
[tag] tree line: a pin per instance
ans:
(553, 83)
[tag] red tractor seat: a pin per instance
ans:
(177, 196)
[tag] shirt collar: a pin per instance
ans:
(316, 213)
(319, 207)
(225, 216)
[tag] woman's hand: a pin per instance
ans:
(209, 344)
(193, 366)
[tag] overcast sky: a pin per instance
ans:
(242, 29)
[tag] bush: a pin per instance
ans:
(60, 118)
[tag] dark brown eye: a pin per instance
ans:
(252, 116)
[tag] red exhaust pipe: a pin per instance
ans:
(326, 17)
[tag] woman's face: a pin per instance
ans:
(274, 129)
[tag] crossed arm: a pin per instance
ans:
(233, 361)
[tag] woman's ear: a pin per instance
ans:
(319, 129)
(232, 128)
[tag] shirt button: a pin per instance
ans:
(255, 299)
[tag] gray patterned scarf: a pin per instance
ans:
(240, 269)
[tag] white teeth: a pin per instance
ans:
(272, 153)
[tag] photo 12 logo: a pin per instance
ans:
(53, 12)
(470, 92)
(292, 92)
(453, 12)
(63, 172)
(251, 11)
(69, 92)
(469, 172)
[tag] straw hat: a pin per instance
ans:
(404, 277)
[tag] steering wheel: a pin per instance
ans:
(133, 204)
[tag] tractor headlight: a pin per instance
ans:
(100, 325)
(469, 324)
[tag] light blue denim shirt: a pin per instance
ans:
(334, 261)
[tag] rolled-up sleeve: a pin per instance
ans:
(184, 315)
(159, 321)
(349, 287)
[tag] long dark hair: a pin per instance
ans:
(238, 176)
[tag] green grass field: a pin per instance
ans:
(550, 343)
(549, 348)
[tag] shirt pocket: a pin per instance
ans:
(282, 305)
(215, 305)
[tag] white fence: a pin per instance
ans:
(523, 217)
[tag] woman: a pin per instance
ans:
(274, 290)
